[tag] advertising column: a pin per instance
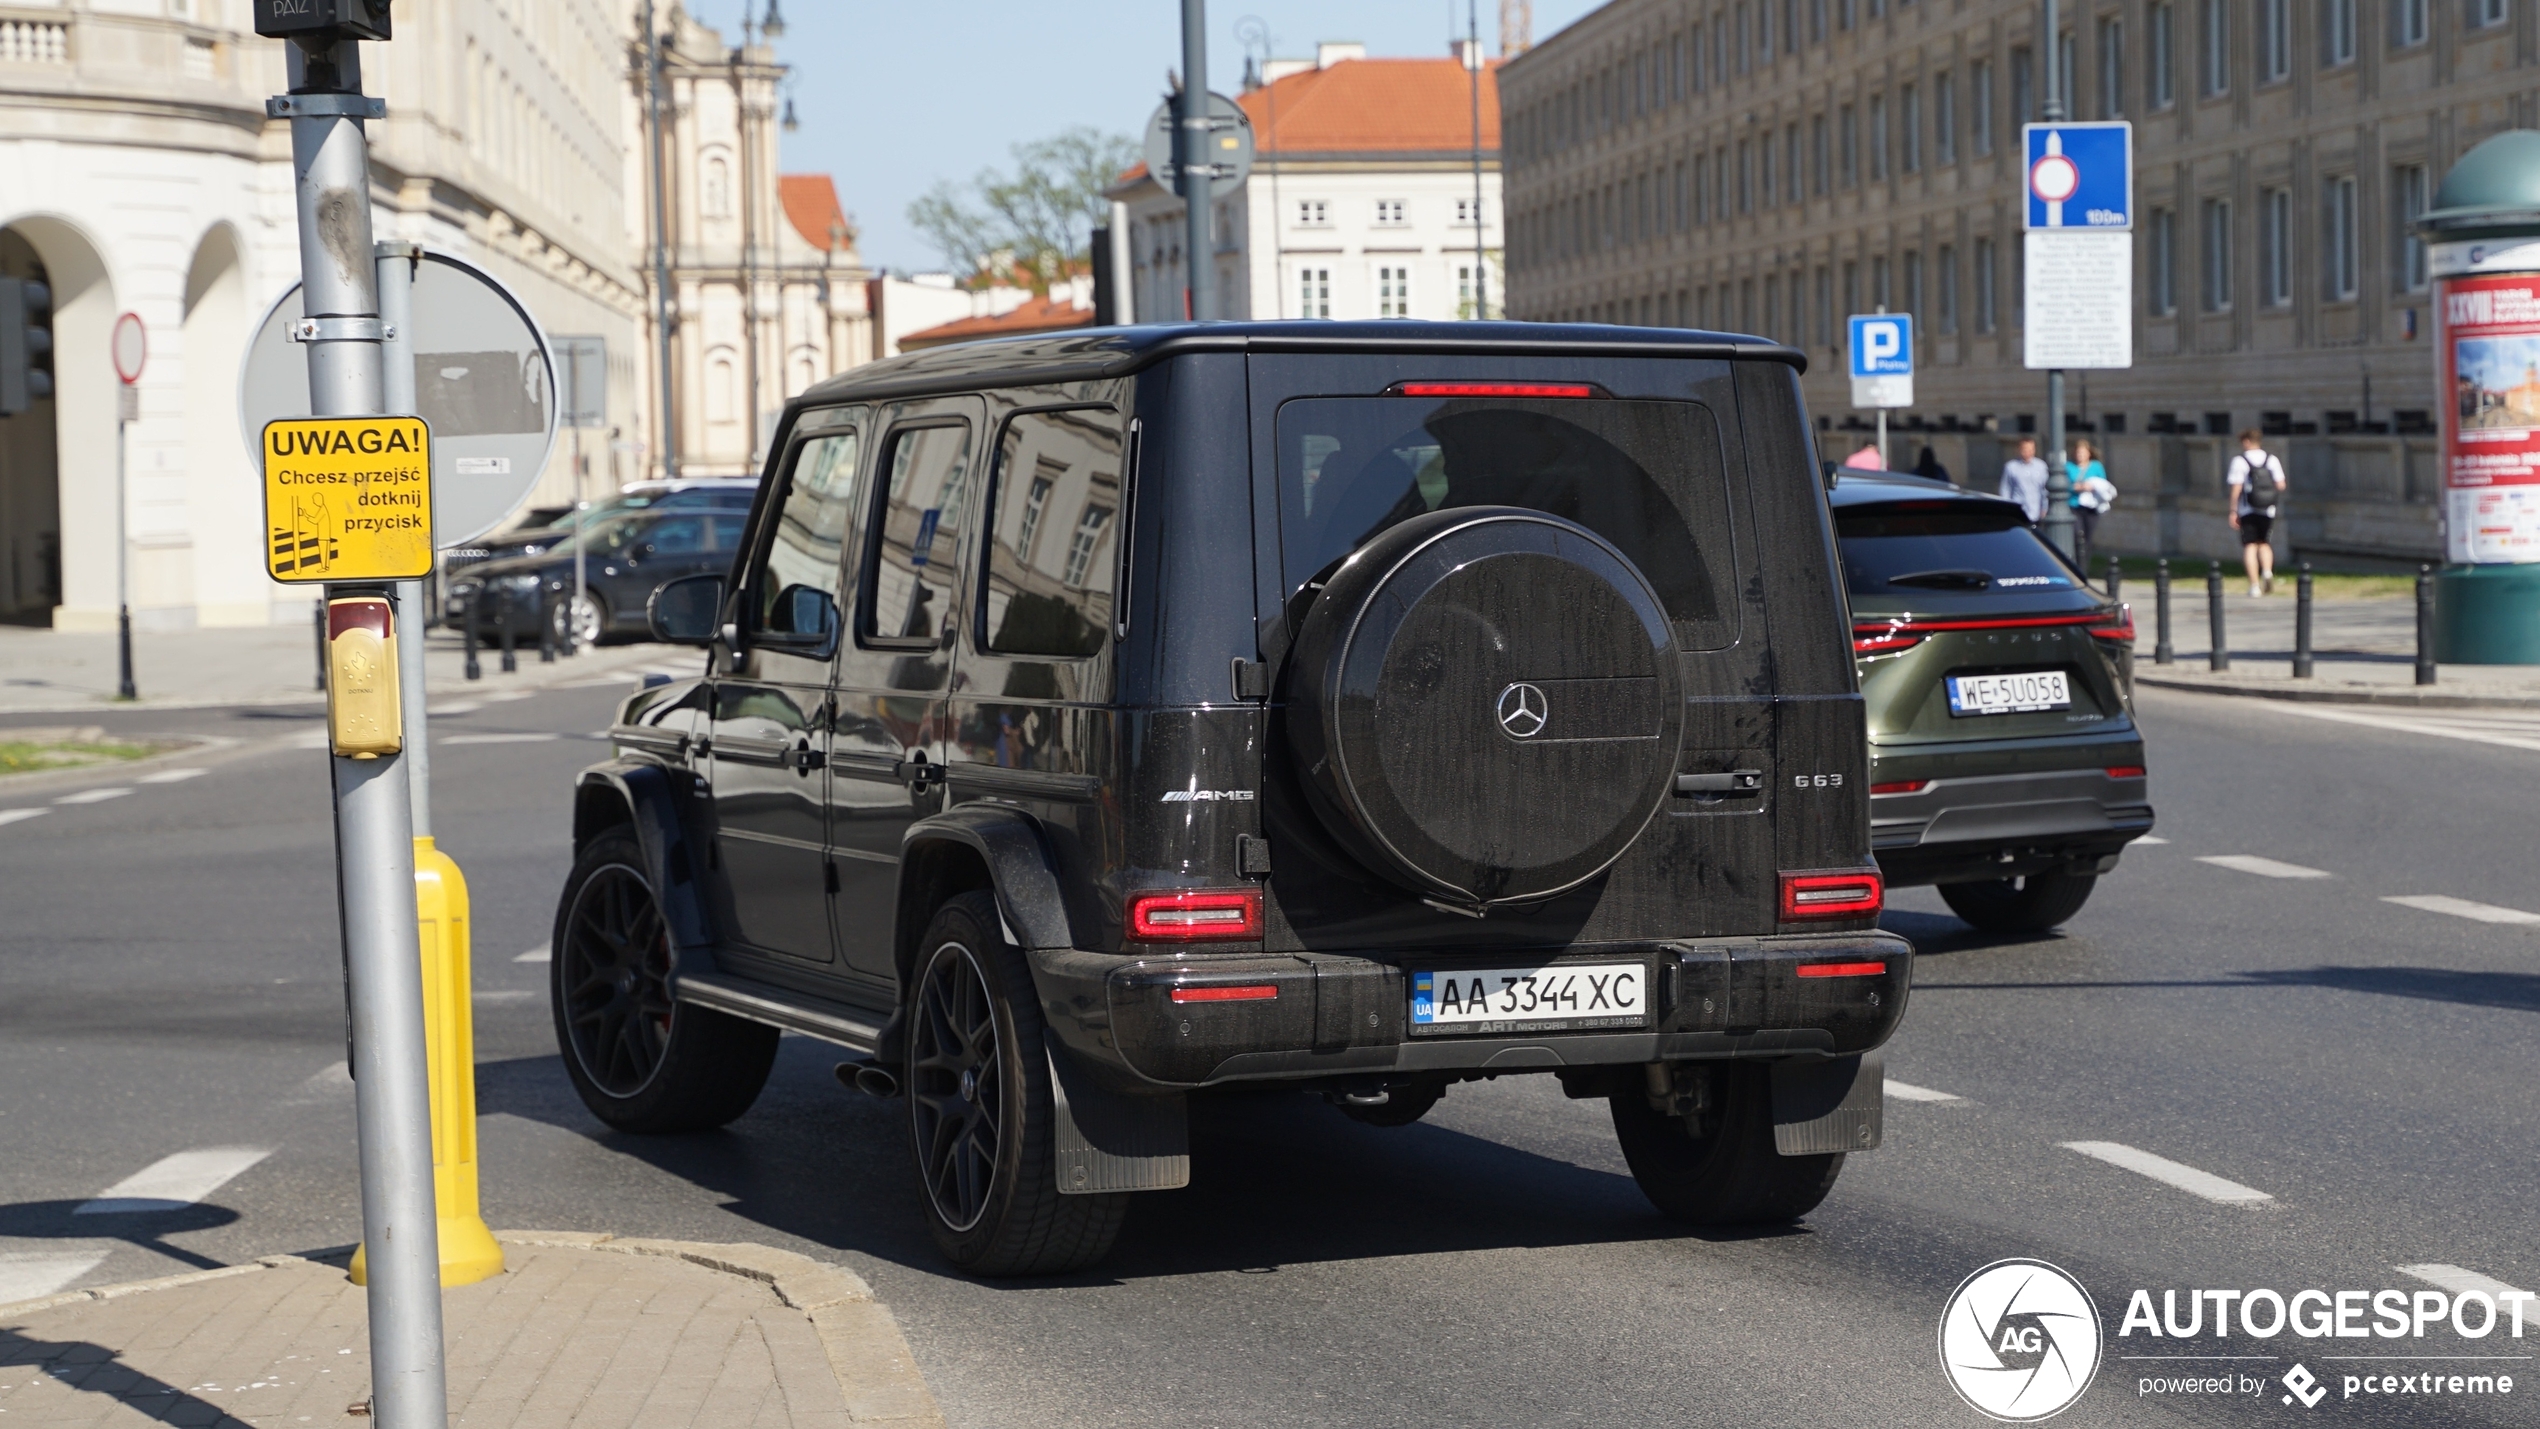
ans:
(2485, 256)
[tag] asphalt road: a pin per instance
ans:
(169, 984)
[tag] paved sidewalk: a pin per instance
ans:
(579, 1330)
(57, 671)
(2363, 651)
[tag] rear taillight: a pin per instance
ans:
(1882, 638)
(2125, 771)
(1902, 786)
(1249, 992)
(1852, 893)
(1232, 914)
(1841, 969)
(1495, 389)
(2120, 629)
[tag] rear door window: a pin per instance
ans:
(1054, 534)
(1647, 476)
(1945, 546)
(909, 582)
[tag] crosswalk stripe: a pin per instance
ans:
(2170, 1173)
(2263, 867)
(1907, 1091)
(539, 954)
(174, 1182)
(2464, 908)
(11, 816)
(31, 1277)
(2457, 1280)
(501, 738)
(2151, 839)
(94, 796)
(173, 776)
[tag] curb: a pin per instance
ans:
(877, 1376)
(2350, 695)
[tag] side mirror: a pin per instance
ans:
(684, 611)
(1833, 473)
(805, 622)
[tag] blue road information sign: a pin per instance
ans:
(2080, 175)
(1882, 359)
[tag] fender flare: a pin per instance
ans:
(673, 821)
(1021, 872)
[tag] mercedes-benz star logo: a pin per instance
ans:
(1523, 711)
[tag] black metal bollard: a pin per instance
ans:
(2425, 625)
(468, 632)
(547, 638)
(2302, 624)
(2116, 573)
(317, 620)
(2220, 656)
(510, 637)
(2163, 653)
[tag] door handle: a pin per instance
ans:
(803, 759)
(917, 772)
(1734, 781)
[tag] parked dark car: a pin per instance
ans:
(2005, 764)
(535, 531)
(625, 559)
(1356, 708)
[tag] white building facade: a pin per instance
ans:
(1363, 200)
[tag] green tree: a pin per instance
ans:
(1040, 216)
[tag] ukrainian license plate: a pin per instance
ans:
(1565, 997)
(2010, 694)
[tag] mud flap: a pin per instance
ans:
(1832, 1104)
(1109, 1142)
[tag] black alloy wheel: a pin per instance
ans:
(956, 1087)
(640, 1060)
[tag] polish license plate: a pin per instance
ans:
(2010, 694)
(1564, 997)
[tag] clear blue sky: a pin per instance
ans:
(895, 96)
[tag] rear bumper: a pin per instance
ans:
(2005, 825)
(1347, 1018)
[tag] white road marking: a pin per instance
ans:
(2170, 1173)
(173, 776)
(2510, 733)
(31, 1277)
(2463, 908)
(2263, 867)
(2456, 1280)
(463, 707)
(330, 1083)
(1907, 1091)
(2150, 839)
(95, 796)
(501, 738)
(507, 696)
(504, 995)
(175, 1182)
(11, 816)
(314, 739)
(539, 954)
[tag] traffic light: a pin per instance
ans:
(26, 344)
(322, 21)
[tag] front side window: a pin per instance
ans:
(1647, 476)
(910, 567)
(1050, 566)
(806, 542)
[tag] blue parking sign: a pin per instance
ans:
(1883, 345)
(2080, 175)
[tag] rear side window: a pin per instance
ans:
(804, 549)
(1052, 545)
(909, 587)
(1647, 476)
(1963, 546)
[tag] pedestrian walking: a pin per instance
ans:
(2024, 481)
(1928, 466)
(1866, 459)
(2093, 494)
(2257, 486)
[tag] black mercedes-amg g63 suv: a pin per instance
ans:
(1357, 707)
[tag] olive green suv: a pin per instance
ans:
(2005, 765)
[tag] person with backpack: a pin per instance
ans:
(2257, 484)
(2093, 494)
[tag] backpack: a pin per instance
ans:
(2262, 488)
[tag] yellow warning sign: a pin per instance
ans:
(348, 498)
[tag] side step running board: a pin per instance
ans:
(777, 1008)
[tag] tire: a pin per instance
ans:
(983, 1121)
(1732, 1176)
(641, 1061)
(2020, 905)
(589, 616)
(1401, 1106)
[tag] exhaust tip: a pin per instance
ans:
(868, 1078)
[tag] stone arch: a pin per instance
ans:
(67, 540)
(222, 491)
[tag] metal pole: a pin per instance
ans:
(2057, 526)
(2302, 624)
(2163, 653)
(396, 276)
(666, 420)
(2116, 574)
(317, 614)
(374, 820)
(1473, 65)
(2425, 625)
(2219, 657)
(582, 514)
(1197, 164)
(1883, 466)
(123, 561)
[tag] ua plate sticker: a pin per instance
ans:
(1557, 998)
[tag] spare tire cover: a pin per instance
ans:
(1485, 704)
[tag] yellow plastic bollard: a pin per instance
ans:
(469, 1252)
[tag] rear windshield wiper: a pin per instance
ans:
(1945, 580)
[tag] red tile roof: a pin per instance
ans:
(1371, 107)
(1036, 315)
(811, 205)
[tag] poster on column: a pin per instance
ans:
(2491, 418)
